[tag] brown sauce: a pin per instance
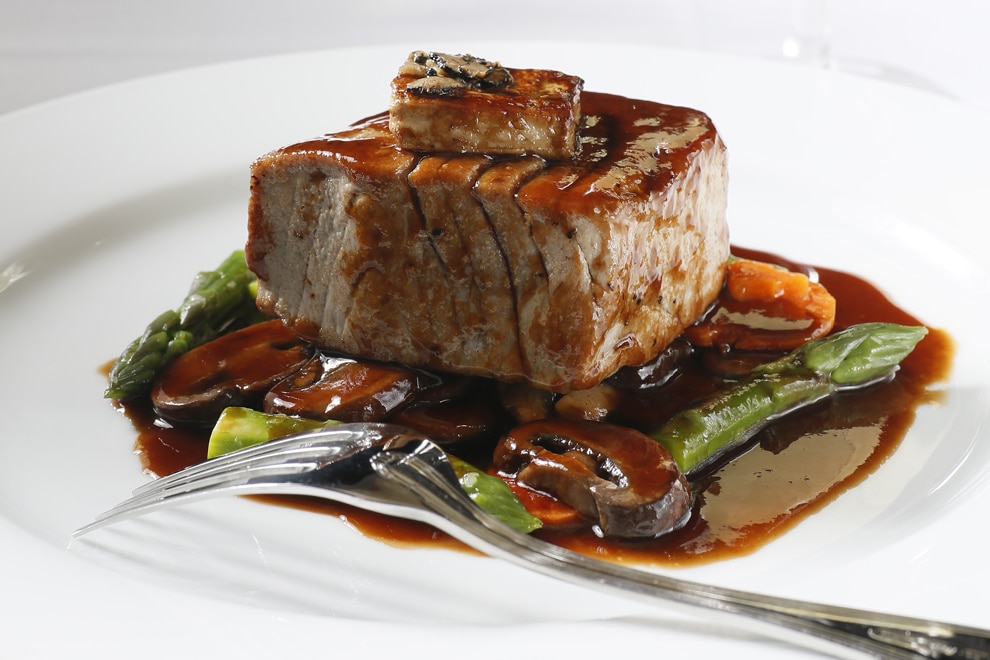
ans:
(794, 468)
(595, 178)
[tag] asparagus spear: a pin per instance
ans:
(238, 428)
(242, 427)
(494, 496)
(217, 301)
(856, 357)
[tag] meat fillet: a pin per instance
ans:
(556, 273)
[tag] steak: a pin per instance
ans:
(551, 272)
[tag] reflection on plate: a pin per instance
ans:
(113, 198)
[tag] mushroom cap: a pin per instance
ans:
(235, 369)
(623, 480)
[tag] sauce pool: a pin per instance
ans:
(793, 468)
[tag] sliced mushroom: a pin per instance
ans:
(233, 370)
(464, 70)
(655, 373)
(621, 479)
(344, 389)
(456, 409)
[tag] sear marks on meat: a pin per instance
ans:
(552, 273)
(464, 104)
(473, 264)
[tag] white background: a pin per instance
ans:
(49, 48)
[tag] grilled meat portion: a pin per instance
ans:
(551, 272)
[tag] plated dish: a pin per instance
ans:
(152, 179)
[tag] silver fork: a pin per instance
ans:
(395, 471)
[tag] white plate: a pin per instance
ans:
(112, 199)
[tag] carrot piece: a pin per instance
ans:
(763, 307)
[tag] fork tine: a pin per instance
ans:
(311, 443)
(252, 480)
(259, 468)
(224, 465)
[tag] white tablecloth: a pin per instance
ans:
(49, 48)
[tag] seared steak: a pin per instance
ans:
(556, 273)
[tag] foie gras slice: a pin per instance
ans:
(465, 104)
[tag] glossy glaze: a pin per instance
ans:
(793, 469)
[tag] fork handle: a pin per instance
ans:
(839, 631)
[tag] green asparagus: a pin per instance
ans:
(494, 496)
(238, 428)
(217, 301)
(858, 356)
(242, 427)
